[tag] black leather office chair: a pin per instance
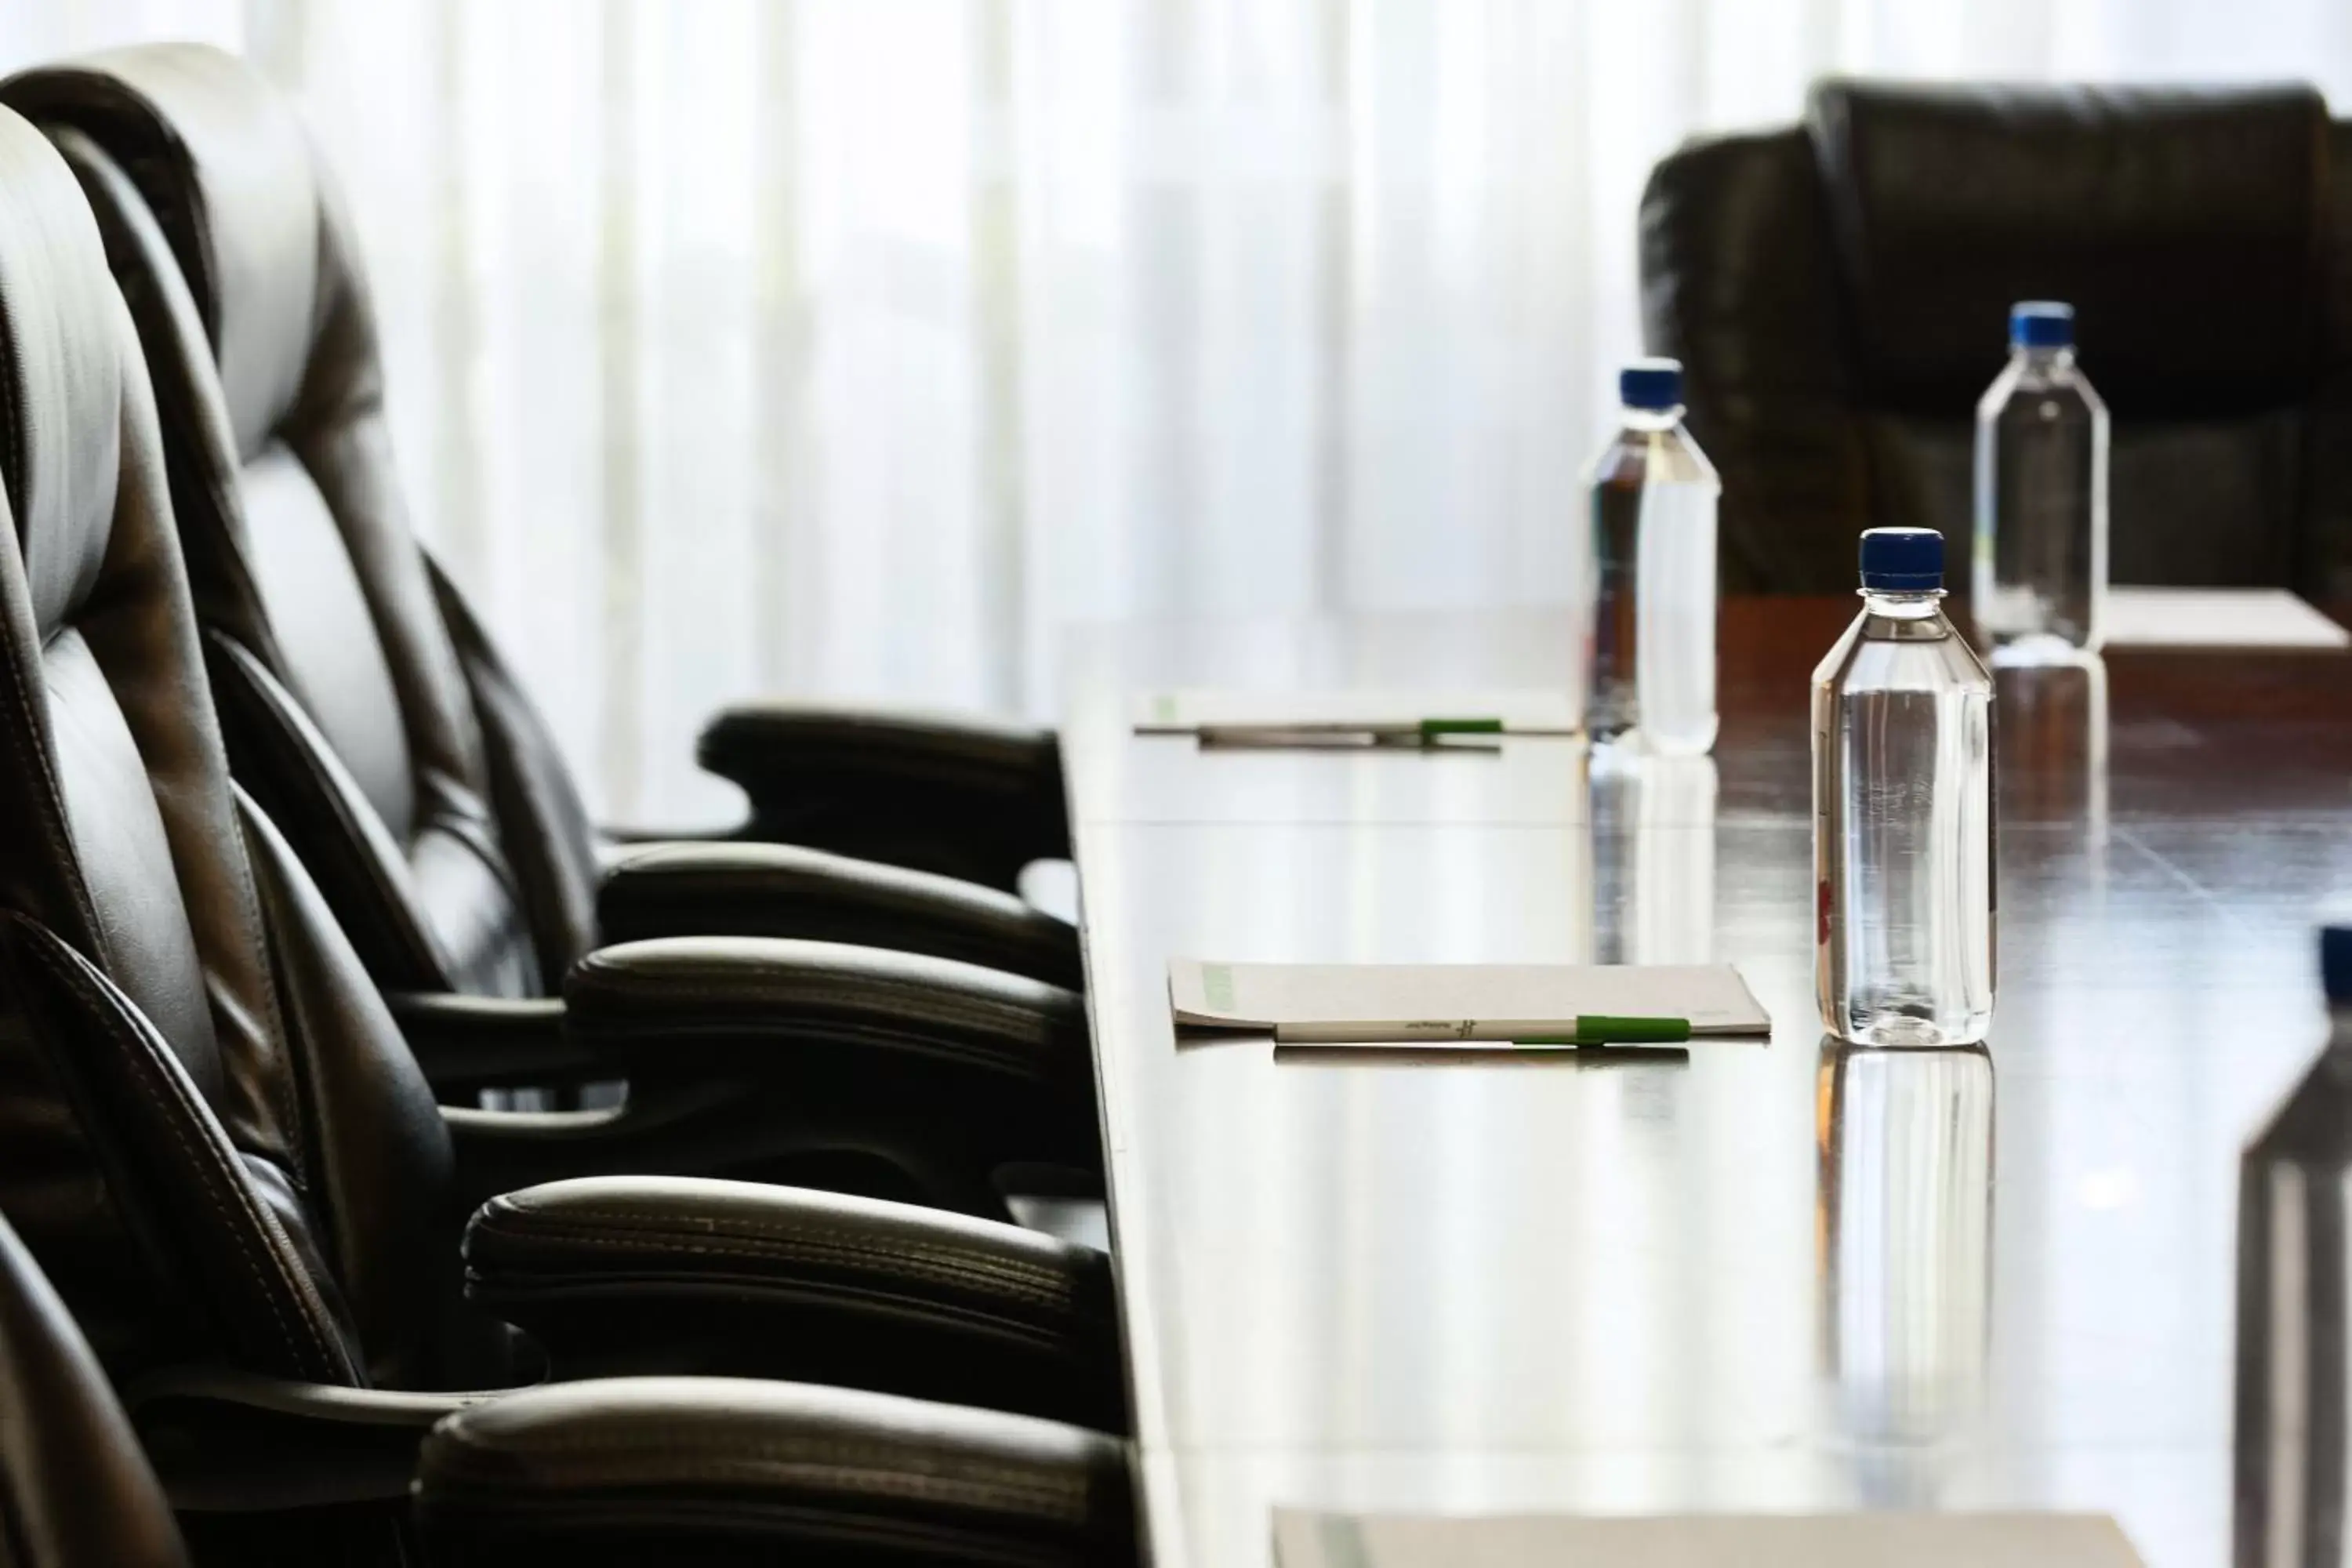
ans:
(1837, 291)
(216, 1139)
(624, 1471)
(366, 709)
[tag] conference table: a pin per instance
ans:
(1751, 1277)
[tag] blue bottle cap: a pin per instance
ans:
(2040, 324)
(1902, 560)
(1651, 383)
(2336, 962)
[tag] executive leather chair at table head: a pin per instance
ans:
(212, 1133)
(626, 1471)
(368, 712)
(1837, 293)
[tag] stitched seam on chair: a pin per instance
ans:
(932, 1266)
(282, 1086)
(638, 1223)
(236, 1194)
(1012, 1029)
(393, 908)
(54, 826)
(786, 903)
(871, 1470)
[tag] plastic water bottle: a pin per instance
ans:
(1903, 813)
(2294, 1314)
(2041, 578)
(1650, 665)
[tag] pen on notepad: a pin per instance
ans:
(1416, 733)
(1584, 1029)
(1601, 1029)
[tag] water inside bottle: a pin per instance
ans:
(1903, 741)
(1650, 678)
(2040, 565)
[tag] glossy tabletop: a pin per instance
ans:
(1761, 1277)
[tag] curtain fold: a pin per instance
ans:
(851, 348)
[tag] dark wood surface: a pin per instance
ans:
(1785, 1277)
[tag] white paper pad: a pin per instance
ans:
(2217, 617)
(1703, 1540)
(1524, 712)
(1356, 1003)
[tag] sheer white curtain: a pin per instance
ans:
(851, 347)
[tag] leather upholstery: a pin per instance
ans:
(216, 1138)
(73, 1488)
(366, 710)
(645, 1456)
(784, 890)
(1837, 293)
(684, 1276)
(962, 796)
(663, 995)
(242, 274)
(590, 1474)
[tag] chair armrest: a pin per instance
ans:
(678, 1275)
(811, 1063)
(784, 890)
(465, 1043)
(675, 1004)
(721, 1470)
(962, 796)
(225, 1440)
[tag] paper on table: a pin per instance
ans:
(1358, 1004)
(1305, 1540)
(2216, 617)
(1522, 712)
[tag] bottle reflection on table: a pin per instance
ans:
(2050, 756)
(1652, 825)
(1905, 1236)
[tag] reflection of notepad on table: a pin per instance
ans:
(1466, 1003)
(1306, 717)
(1303, 1540)
(2216, 617)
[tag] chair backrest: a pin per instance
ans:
(211, 1132)
(75, 1488)
(1838, 294)
(392, 747)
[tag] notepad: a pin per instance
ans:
(1305, 1540)
(1465, 1004)
(1236, 715)
(2217, 617)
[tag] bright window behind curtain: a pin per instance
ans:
(849, 347)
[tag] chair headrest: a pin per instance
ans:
(2188, 229)
(222, 161)
(64, 340)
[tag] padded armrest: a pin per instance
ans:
(810, 1063)
(226, 1440)
(638, 1274)
(784, 890)
(655, 1469)
(656, 1006)
(962, 796)
(475, 1042)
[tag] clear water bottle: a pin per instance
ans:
(2041, 580)
(2294, 1312)
(1650, 665)
(1903, 813)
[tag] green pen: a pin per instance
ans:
(1431, 732)
(1607, 1029)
